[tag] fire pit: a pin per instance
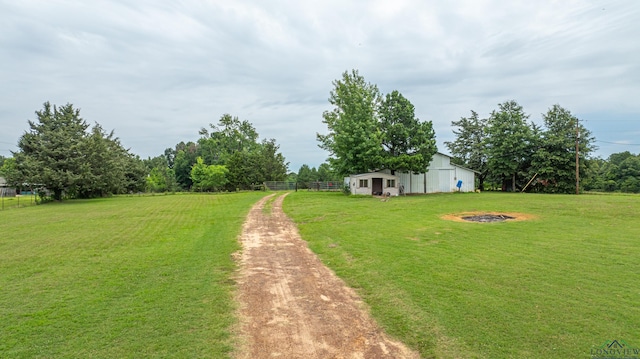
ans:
(487, 218)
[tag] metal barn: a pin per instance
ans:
(441, 176)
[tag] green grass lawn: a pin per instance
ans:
(124, 277)
(553, 287)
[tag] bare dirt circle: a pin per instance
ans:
(487, 217)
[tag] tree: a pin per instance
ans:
(409, 145)
(555, 158)
(185, 158)
(272, 164)
(135, 174)
(249, 168)
(629, 175)
(621, 172)
(326, 173)
(170, 155)
(59, 154)
(208, 178)
(230, 135)
(509, 143)
(354, 140)
(161, 178)
(10, 172)
(305, 176)
(105, 164)
(50, 153)
(469, 145)
(242, 171)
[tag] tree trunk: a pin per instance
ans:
(481, 182)
(513, 183)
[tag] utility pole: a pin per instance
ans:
(577, 157)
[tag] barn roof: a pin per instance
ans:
(376, 174)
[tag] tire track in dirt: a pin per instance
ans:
(292, 306)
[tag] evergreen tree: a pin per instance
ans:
(509, 144)
(555, 158)
(51, 152)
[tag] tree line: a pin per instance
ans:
(620, 172)
(510, 153)
(62, 154)
(367, 131)
(227, 156)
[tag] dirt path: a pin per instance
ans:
(292, 306)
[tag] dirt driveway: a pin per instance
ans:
(291, 305)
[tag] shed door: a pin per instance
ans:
(376, 184)
(445, 180)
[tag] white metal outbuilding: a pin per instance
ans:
(374, 183)
(441, 176)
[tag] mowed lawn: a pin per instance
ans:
(125, 277)
(557, 286)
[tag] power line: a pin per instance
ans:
(621, 144)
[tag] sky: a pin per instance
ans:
(157, 71)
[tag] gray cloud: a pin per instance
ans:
(158, 71)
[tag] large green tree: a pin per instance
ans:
(51, 151)
(61, 155)
(271, 163)
(229, 136)
(249, 168)
(106, 165)
(510, 144)
(469, 145)
(555, 158)
(242, 173)
(409, 145)
(354, 140)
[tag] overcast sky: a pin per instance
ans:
(157, 71)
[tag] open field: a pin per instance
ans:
(153, 276)
(555, 286)
(125, 277)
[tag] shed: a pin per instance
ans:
(373, 183)
(5, 191)
(441, 176)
